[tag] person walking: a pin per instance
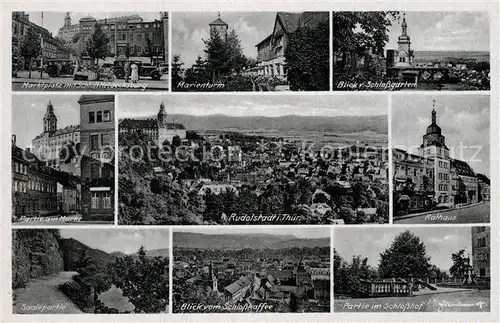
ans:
(135, 73)
(127, 71)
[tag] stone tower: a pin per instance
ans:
(162, 124)
(220, 27)
(405, 56)
(50, 119)
(433, 136)
(67, 20)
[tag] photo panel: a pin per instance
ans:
(203, 159)
(63, 163)
(250, 51)
(90, 271)
(411, 50)
(250, 270)
(441, 159)
(90, 51)
(412, 269)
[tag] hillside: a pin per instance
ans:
(340, 124)
(74, 251)
(242, 241)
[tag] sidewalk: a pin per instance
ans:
(66, 83)
(414, 215)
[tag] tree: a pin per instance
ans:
(96, 46)
(405, 258)
(150, 48)
(30, 47)
(216, 55)
(177, 70)
(354, 34)
(235, 58)
(144, 280)
(308, 58)
(461, 266)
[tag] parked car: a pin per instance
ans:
(145, 70)
(58, 67)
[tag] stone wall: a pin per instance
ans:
(35, 253)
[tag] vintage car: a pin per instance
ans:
(145, 70)
(58, 67)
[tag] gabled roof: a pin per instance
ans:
(218, 21)
(242, 282)
(462, 168)
(147, 124)
(289, 20)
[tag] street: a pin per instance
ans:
(475, 214)
(23, 83)
(44, 291)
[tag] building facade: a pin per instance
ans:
(271, 50)
(126, 33)
(158, 129)
(219, 27)
(52, 48)
(432, 176)
(48, 144)
(481, 251)
(97, 132)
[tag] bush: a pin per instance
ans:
(79, 294)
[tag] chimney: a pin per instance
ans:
(13, 140)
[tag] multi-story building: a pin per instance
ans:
(48, 144)
(271, 50)
(158, 129)
(432, 176)
(126, 33)
(481, 251)
(52, 48)
(97, 137)
(484, 187)
(20, 180)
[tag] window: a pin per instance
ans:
(94, 200)
(106, 116)
(482, 272)
(480, 229)
(99, 116)
(481, 242)
(91, 117)
(94, 170)
(106, 200)
(105, 140)
(15, 186)
(112, 37)
(94, 142)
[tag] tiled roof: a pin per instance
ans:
(218, 21)
(238, 285)
(462, 168)
(289, 20)
(147, 124)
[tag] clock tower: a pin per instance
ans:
(405, 56)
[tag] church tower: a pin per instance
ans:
(405, 56)
(67, 20)
(433, 136)
(50, 119)
(220, 27)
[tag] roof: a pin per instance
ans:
(147, 124)
(218, 21)
(462, 168)
(85, 99)
(238, 285)
(282, 274)
(289, 20)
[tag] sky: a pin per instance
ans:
(254, 105)
(190, 28)
(303, 233)
(28, 112)
(440, 242)
(463, 119)
(53, 20)
(430, 31)
(124, 240)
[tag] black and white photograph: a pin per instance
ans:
(441, 159)
(203, 159)
(235, 270)
(63, 159)
(250, 51)
(90, 51)
(92, 271)
(421, 50)
(398, 269)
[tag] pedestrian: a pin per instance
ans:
(127, 71)
(59, 68)
(135, 73)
